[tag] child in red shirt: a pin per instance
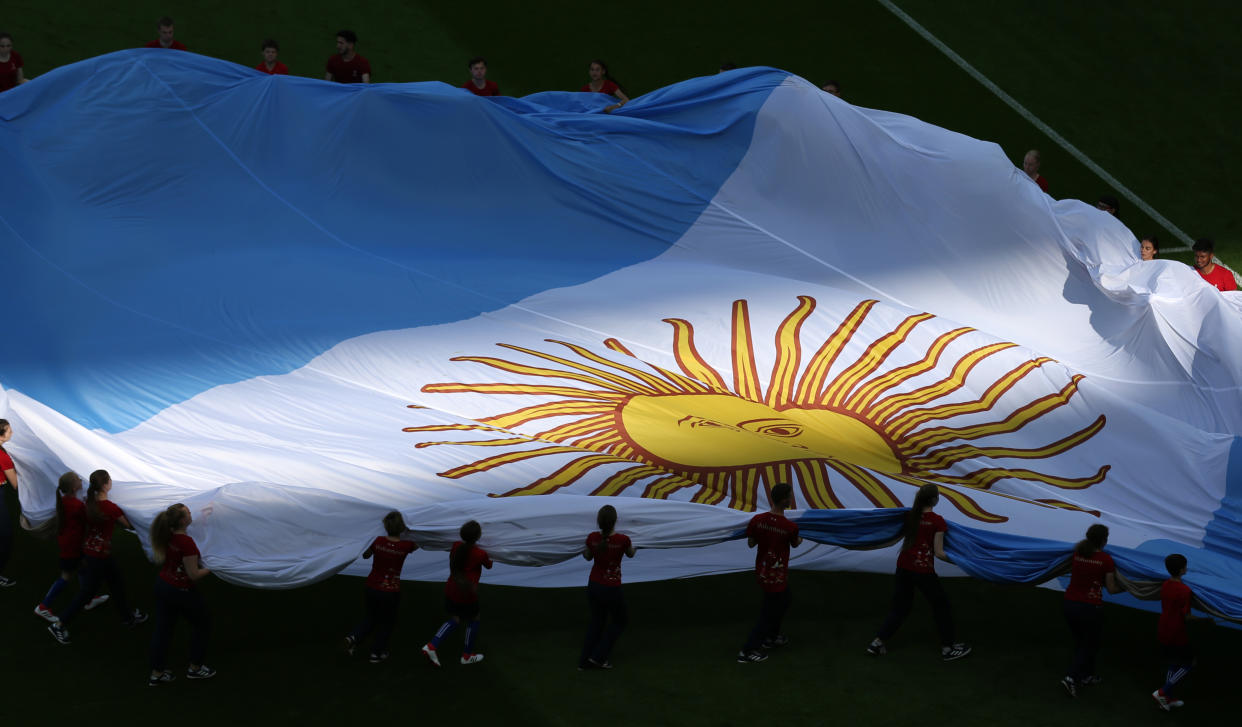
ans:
(101, 516)
(924, 539)
(70, 530)
(601, 82)
(383, 591)
(461, 593)
(773, 534)
(606, 548)
(175, 594)
(1175, 598)
(269, 64)
(8, 476)
(1091, 571)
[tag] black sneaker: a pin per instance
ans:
(378, 658)
(876, 648)
(596, 665)
(136, 618)
(954, 652)
(1090, 680)
(202, 671)
(350, 644)
(775, 642)
(6, 582)
(60, 633)
(1071, 687)
(751, 657)
(164, 677)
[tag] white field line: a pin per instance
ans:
(1048, 131)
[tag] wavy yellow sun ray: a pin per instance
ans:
(653, 383)
(871, 359)
(528, 414)
(688, 358)
(788, 353)
(949, 384)
(865, 395)
(900, 425)
(950, 456)
(821, 363)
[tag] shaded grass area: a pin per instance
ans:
(278, 658)
(1144, 90)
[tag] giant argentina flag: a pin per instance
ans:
(295, 305)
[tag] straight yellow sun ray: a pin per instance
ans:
(949, 384)
(871, 359)
(903, 423)
(654, 384)
(821, 363)
(529, 414)
(745, 374)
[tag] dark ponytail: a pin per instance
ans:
(1097, 538)
(67, 484)
(470, 534)
(99, 478)
(607, 521)
(927, 496)
(162, 528)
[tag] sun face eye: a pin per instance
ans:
(782, 428)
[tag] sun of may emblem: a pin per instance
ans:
(727, 438)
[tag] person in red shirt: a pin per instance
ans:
(478, 83)
(383, 591)
(1091, 571)
(1175, 599)
(166, 39)
(601, 82)
(175, 594)
(1030, 165)
(9, 471)
(1216, 275)
(773, 534)
(269, 65)
(70, 529)
(461, 594)
(11, 64)
(923, 539)
(346, 66)
(604, 548)
(101, 516)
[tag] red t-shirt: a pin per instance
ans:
(1087, 577)
(920, 557)
(6, 464)
(71, 527)
(1043, 183)
(606, 568)
(773, 534)
(279, 69)
(173, 571)
(8, 70)
(609, 88)
(388, 557)
(344, 71)
(490, 88)
(1221, 278)
(475, 562)
(98, 540)
(176, 45)
(1174, 608)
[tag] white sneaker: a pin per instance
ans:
(96, 602)
(46, 613)
(471, 658)
(429, 651)
(1161, 700)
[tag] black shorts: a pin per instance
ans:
(463, 611)
(70, 565)
(1177, 654)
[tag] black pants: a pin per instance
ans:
(903, 601)
(6, 527)
(380, 616)
(1086, 623)
(609, 617)
(170, 603)
(771, 613)
(94, 572)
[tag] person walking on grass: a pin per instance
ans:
(923, 540)
(773, 534)
(605, 548)
(70, 530)
(1091, 571)
(1175, 598)
(102, 515)
(382, 596)
(176, 595)
(461, 594)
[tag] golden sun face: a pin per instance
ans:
(730, 441)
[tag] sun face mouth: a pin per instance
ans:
(709, 432)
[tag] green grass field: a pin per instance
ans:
(1147, 91)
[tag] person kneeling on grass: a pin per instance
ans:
(1171, 632)
(924, 537)
(175, 595)
(461, 594)
(383, 592)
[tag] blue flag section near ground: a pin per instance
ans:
(295, 306)
(172, 206)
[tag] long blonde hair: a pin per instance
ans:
(162, 528)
